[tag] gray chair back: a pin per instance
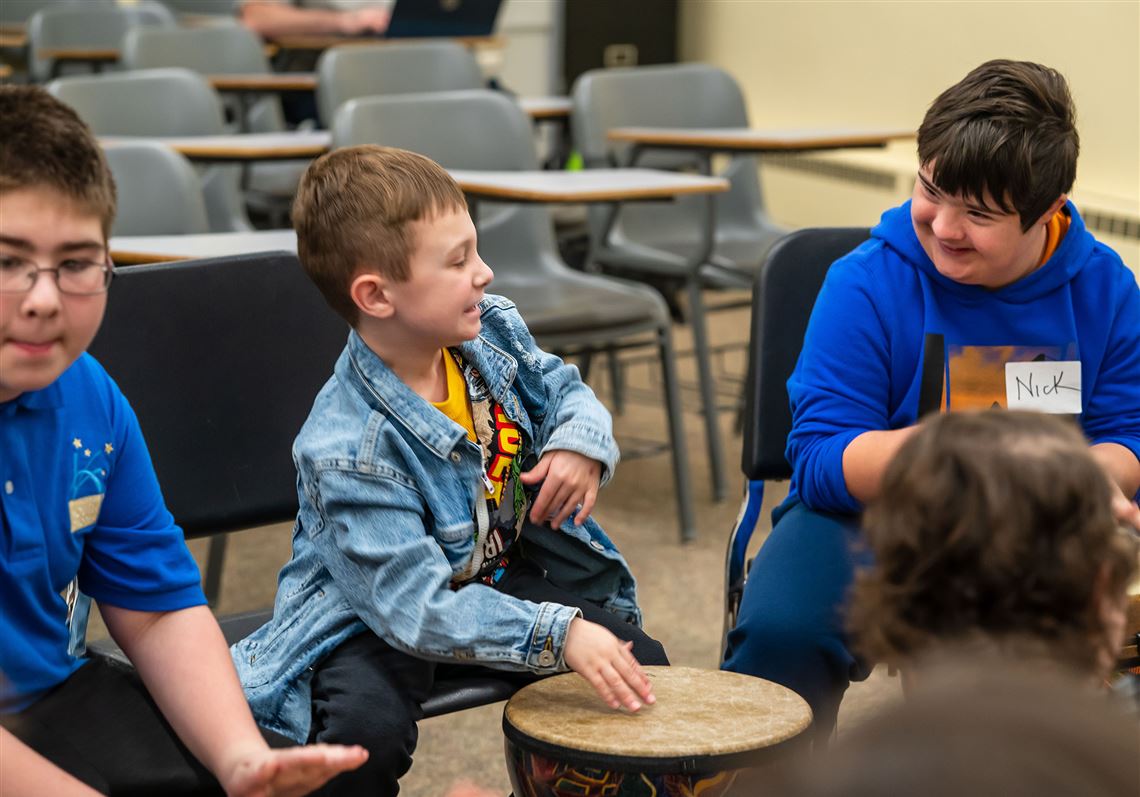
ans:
(96, 25)
(473, 129)
(158, 191)
(210, 50)
(673, 95)
(155, 103)
(20, 11)
(345, 73)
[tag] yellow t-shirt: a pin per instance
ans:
(456, 406)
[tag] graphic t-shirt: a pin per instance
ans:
(499, 517)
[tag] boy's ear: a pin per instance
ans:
(1058, 203)
(371, 294)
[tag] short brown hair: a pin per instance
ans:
(992, 526)
(43, 142)
(353, 210)
(1008, 128)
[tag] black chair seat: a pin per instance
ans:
(453, 692)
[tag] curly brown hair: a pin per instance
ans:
(43, 142)
(992, 525)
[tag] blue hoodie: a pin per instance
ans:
(884, 311)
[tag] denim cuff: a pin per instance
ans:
(547, 645)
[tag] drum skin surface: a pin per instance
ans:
(561, 739)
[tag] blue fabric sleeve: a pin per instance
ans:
(136, 557)
(1112, 414)
(840, 387)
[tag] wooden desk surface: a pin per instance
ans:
(743, 139)
(265, 82)
(88, 54)
(552, 107)
(325, 41)
(13, 39)
(129, 250)
(240, 147)
(593, 185)
(5, 71)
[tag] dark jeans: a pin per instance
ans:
(102, 726)
(366, 692)
(791, 624)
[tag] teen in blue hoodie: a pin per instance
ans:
(984, 289)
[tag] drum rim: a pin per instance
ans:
(683, 765)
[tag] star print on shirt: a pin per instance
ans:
(77, 443)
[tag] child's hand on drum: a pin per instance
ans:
(607, 664)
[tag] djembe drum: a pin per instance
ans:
(706, 725)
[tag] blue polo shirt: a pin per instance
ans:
(78, 495)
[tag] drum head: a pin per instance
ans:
(703, 720)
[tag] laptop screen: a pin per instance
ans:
(422, 18)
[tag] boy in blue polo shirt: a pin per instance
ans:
(80, 508)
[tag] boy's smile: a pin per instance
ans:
(974, 242)
(43, 331)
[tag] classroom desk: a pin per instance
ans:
(537, 108)
(5, 71)
(127, 250)
(14, 40)
(97, 57)
(240, 147)
(318, 42)
(704, 143)
(752, 140)
(593, 185)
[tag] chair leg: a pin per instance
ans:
(681, 479)
(735, 568)
(617, 382)
(707, 385)
(215, 562)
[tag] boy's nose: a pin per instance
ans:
(946, 224)
(484, 275)
(43, 298)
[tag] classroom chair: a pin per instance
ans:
(225, 50)
(96, 25)
(654, 241)
(347, 72)
(782, 301)
(566, 310)
(18, 12)
(221, 360)
(155, 103)
(159, 192)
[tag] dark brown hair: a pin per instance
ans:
(1008, 129)
(993, 525)
(354, 209)
(43, 142)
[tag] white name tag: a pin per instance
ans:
(1053, 387)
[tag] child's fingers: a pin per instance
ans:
(620, 686)
(587, 506)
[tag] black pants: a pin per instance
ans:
(368, 693)
(102, 726)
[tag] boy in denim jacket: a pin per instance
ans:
(446, 476)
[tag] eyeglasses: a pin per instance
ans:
(73, 277)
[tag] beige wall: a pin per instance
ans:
(881, 63)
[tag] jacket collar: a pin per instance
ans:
(385, 392)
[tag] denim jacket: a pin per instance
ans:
(388, 487)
